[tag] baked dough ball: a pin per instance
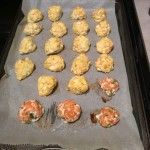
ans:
(78, 13)
(27, 46)
(34, 15)
(30, 111)
(78, 85)
(105, 45)
(99, 15)
(80, 27)
(32, 29)
(23, 68)
(109, 86)
(54, 63)
(53, 45)
(69, 111)
(46, 85)
(58, 29)
(54, 13)
(104, 63)
(108, 117)
(102, 29)
(80, 65)
(81, 44)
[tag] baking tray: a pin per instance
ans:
(136, 65)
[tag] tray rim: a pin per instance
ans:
(141, 70)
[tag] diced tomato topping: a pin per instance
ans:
(108, 116)
(69, 111)
(109, 86)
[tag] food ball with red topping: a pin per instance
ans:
(30, 111)
(69, 111)
(108, 117)
(109, 86)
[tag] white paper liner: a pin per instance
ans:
(82, 134)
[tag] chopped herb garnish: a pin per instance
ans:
(108, 125)
(114, 80)
(111, 94)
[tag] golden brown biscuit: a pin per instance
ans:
(80, 27)
(23, 68)
(104, 63)
(78, 85)
(54, 13)
(54, 63)
(99, 15)
(46, 85)
(81, 44)
(34, 15)
(102, 29)
(80, 64)
(105, 45)
(27, 46)
(32, 29)
(78, 13)
(53, 45)
(58, 29)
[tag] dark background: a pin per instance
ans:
(8, 11)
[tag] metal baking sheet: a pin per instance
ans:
(82, 134)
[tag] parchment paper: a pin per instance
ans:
(82, 134)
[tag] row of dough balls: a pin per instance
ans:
(81, 44)
(55, 63)
(59, 28)
(55, 13)
(54, 45)
(81, 64)
(47, 85)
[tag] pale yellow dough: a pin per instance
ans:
(54, 63)
(104, 63)
(81, 44)
(46, 85)
(27, 46)
(34, 15)
(80, 64)
(78, 85)
(105, 45)
(32, 29)
(78, 13)
(58, 29)
(99, 15)
(54, 13)
(53, 45)
(80, 27)
(23, 68)
(102, 29)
